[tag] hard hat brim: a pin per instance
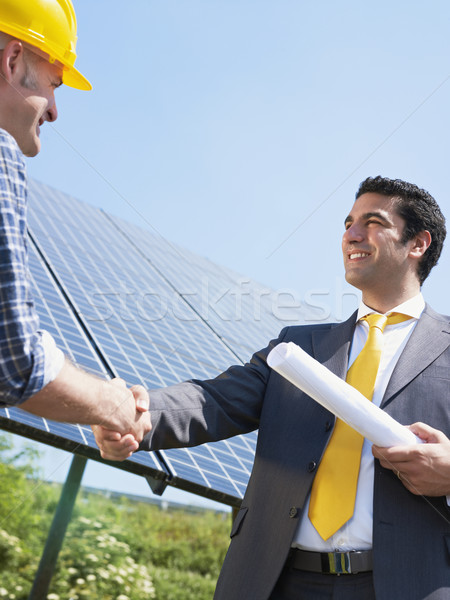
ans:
(74, 79)
(71, 76)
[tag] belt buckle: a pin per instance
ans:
(338, 563)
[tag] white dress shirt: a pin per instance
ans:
(356, 534)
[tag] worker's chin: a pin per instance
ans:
(33, 147)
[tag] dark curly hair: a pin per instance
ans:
(420, 212)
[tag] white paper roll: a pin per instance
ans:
(303, 371)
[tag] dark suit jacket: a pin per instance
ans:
(411, 534)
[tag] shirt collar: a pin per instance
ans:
(412, 307)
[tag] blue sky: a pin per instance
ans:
(241, 129)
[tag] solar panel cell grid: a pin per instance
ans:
(155, 313)
(56, 317)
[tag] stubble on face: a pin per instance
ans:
(31, 63)
(37, 103)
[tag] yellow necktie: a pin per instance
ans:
(333, 492)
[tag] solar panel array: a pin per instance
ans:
(57, 318)
(121, 301)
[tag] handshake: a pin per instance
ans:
(119, 435)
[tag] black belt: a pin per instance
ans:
(334, 563)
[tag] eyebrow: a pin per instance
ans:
(369, 215)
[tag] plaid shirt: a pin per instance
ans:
(29, 358)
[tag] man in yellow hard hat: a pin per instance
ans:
(38, 42)
(37, 55)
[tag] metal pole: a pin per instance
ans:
(58, 528)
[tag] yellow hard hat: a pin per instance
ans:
(50, 26)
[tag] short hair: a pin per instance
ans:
(420, 212)
(4, 39)
(32, 60)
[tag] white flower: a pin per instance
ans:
(53, 597)
(92, 557)
(3, 592)
(122, 597)
(11, 539)
(103, 573)
(91, 577)
(80, 581)
(71, 570)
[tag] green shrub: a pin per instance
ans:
(94, 563)
(114, 549)
(180, 540)
(172, 584)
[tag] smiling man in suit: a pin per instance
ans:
(321, 517)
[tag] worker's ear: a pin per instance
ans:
(12, 60)
(420, 244)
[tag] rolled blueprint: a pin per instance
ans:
(303, 371)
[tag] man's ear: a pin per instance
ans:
(11, 59)
(420, 244)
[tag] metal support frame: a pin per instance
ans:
(157, 486)
(58, 529)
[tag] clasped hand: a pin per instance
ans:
(139, 425)
(424, 469)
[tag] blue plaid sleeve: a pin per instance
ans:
(22, 353)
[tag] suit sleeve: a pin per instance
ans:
(195, 412)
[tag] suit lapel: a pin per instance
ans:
(331, 346)
(429, 339)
